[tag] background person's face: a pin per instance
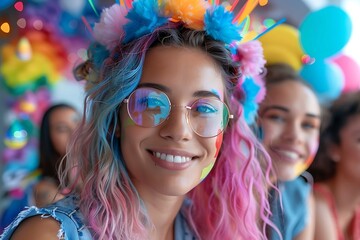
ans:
(290, 121)
(184, 75)
(63, 122)
(348, 166)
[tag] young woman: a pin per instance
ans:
(164, 151)
(336, 172)
(289, 120)
(57, 126)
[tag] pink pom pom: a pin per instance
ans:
(250, 54)
(109, 31)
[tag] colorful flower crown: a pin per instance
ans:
(130, 20)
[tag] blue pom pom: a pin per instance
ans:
(144, 19)
(250, 105)
(218, 25)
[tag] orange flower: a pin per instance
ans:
(190, 12)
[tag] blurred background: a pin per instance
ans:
(42, 40)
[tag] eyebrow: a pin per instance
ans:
(284, 109)
(201, 93)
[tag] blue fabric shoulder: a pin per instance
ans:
(65, 211)
(292, 217)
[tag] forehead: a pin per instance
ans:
(352, 125)
(63, 115)
(294, 96)
(183, 70)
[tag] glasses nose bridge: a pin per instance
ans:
(187, 107)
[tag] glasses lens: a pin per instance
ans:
(208, 117)
(148, 107)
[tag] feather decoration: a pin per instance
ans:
(109, 31)
(189, 12)
(219, 25)
(144, 18)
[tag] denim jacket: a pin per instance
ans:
(72, 226)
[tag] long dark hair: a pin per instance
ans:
(49, 157)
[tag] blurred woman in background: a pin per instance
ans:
(289, 124)
(336, 171)
(57, 127)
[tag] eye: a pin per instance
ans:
(204, 109)
(276, 118)
(155, 102)
(311, 125)
(62, 129)
(151, 102)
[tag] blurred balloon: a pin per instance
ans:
(16, 136)
(325, 78)
(5, 4)
(282, 45)
(325, 32)
(350, 70)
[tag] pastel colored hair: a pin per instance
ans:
(230, 203)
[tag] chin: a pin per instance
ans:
(286, 174)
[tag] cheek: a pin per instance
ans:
(218, 142)
(312, 150)
(270, 133)
(59, 142)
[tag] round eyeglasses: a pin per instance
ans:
(150, 107)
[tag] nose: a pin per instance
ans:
(293, 132)
(176, 127)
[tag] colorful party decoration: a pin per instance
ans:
(16, 136)
(351, 71)
(326, 79)
(282, 45)
(24, 49)
(325, 32)
(19, 6)
(5, 27)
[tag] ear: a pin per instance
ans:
(334, 152)
(117, 131)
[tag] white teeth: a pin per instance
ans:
(171, 158)
(289, 154)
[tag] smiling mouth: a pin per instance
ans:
(290, 156)
(171, 158)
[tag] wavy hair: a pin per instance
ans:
(226, 205)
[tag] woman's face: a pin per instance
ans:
(63, 122)
(290, 121)
(185, 75)
(348, 151)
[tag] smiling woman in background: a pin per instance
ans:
(289, 124)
